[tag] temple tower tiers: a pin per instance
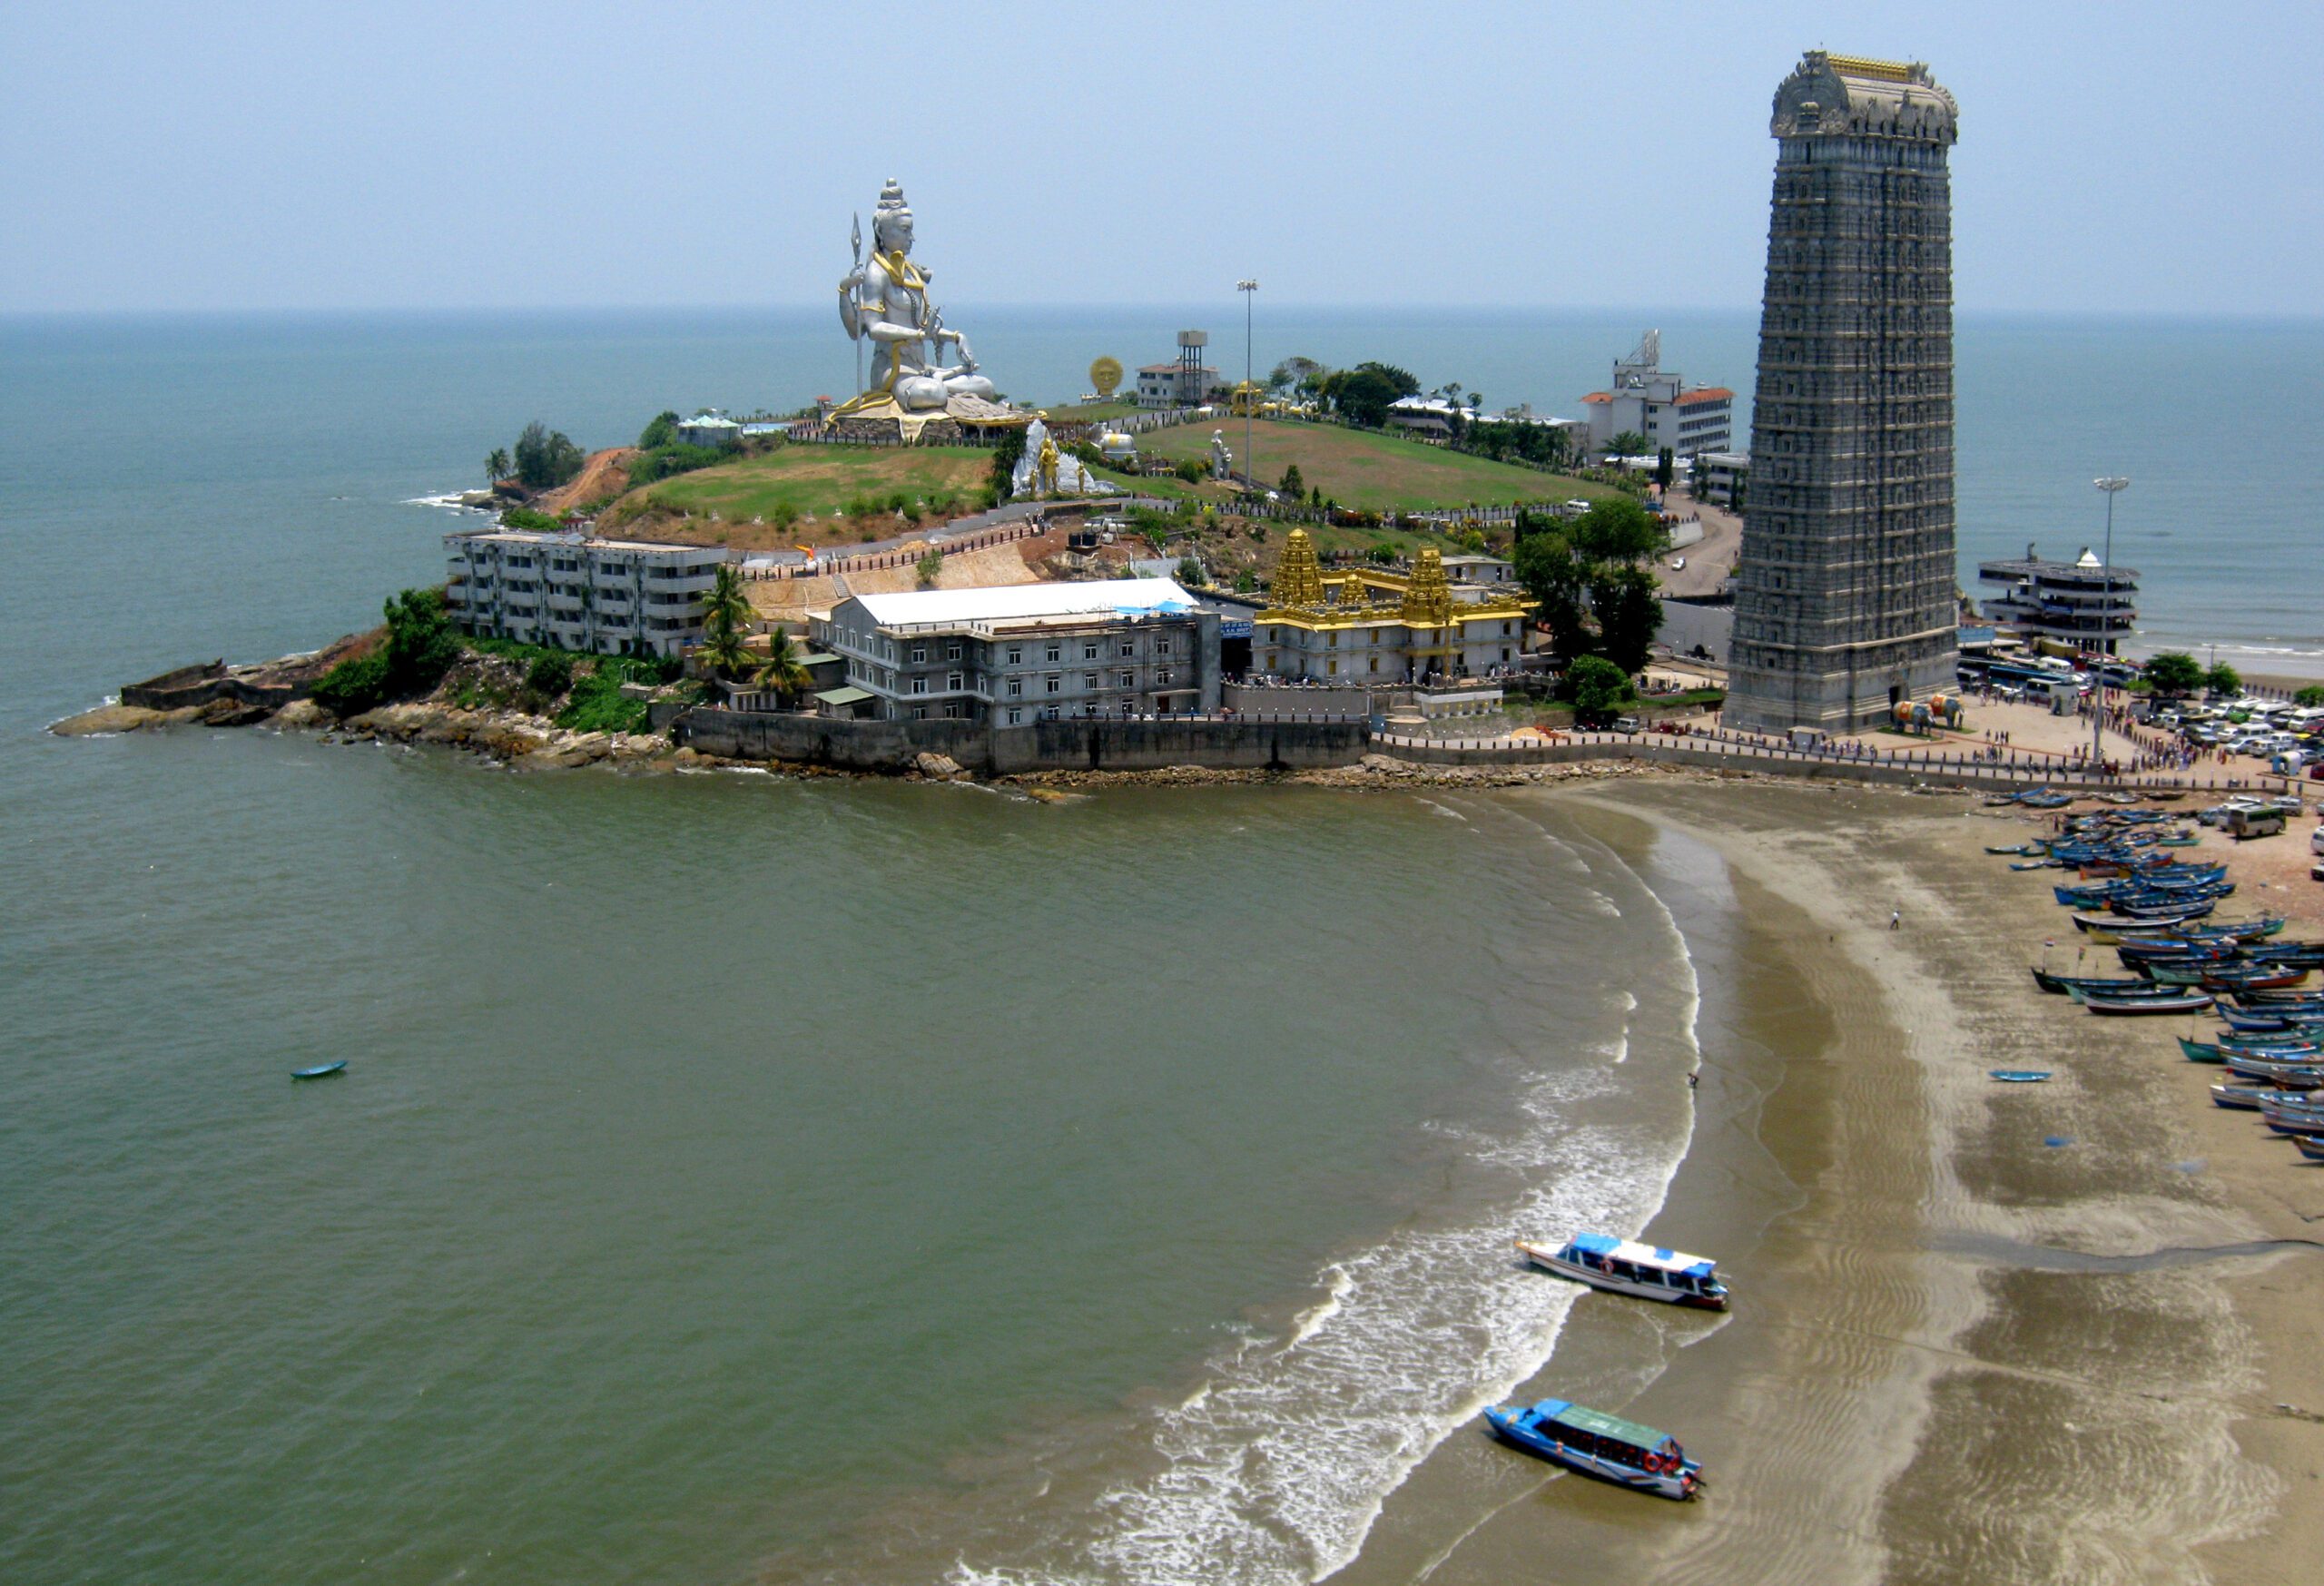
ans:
(1845, 599)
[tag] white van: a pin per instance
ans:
(2315, 841)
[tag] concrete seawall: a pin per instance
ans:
(1061, 745)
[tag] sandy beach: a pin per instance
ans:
(1957, 1353)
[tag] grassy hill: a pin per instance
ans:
(830, 493)
(1373, 472)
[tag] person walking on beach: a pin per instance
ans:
(1895, 919)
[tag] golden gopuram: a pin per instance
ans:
(1370, 626)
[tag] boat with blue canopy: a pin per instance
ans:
(1601, 1445)
(1626, 1266)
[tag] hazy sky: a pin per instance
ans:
(2132, 156)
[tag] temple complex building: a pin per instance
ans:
(1368, 625)
(1845, 589)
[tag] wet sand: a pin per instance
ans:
(1958, 1353)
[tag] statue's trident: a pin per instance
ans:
(855, 246)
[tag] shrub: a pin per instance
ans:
(597, 704)
(662, 431)
(929, 566)
(2311, 697)
(525, 518)
(354, 685)
(1597, 688)
(546, 458)
(549, 675)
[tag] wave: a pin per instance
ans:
(1276, 1469)
(449, 501)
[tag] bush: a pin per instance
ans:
(354, 685)
(1597, 689)
(2309, 698)
(663, 461)
(2175, 672)
(525, 518)
(597, 704)
(1190, 572)
(549, 676)
(662, 431)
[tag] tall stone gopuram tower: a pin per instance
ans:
(1845, 589)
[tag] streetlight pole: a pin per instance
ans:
(2110, 487)
(1250, 290)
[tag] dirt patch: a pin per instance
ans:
(603, 476)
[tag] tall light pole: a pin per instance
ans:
(2110, 486)
(1250, 290)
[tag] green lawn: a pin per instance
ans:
(820, 480)
(1372, 472)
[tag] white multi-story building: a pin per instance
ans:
(1024, 653)
(614, 597)
(1660, 406)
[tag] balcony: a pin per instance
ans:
(689, 582)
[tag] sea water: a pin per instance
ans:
(737, 1177)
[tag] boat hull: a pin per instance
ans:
(1683, 1483)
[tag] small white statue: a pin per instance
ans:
(1222, 461)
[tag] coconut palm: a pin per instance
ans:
(497, 466)
(780, 672)
(727, 606)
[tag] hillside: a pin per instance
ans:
(808, 494)
(1372, 472)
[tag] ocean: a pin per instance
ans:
(742, 1179)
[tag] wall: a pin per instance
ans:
(1686, 625)
(1063, 745)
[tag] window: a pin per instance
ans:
(1128, 649)
(920, 713)
(1016, 654)
(1089, 680)
(1052, 682)
(951, 710)
(1048, 712)
(1162, 678)
(919, 653)
(1016, 718)
(952, 651)
(1162, 645)
(1016, 688)
(919, 686)
(1056, 653)
(1127, 679)
(1089, 649)
(952, 679)
(1336, 666)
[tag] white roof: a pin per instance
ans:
(1008, 602)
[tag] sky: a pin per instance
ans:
(2125, 158)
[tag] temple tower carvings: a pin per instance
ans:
(1845, 599)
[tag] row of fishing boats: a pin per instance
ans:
(2154, 910)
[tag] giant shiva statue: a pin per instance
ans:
(884, 299)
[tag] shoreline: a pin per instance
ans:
(1953, 1355)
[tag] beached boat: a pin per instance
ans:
(2065, 985)
(2117, 1007)
(2019, 1076)
(2282, 1075)
(2310, 1147)
(1601, 1445)
(2250, 1097)
(2220, 1051)
(320, 1070)
(1626, 1266)
(2141, 991)
(2293, 1119)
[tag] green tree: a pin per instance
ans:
(660, 431)
(1617, 529)
(546, 459)
(1666, 468)
(1628, 612)
(2223, 679)
(1190, 573)
(496, 467)
(1007, 452)
(411, 659)
(1597, 689)
(928, 568)
(2311, 697)
(726, 611)
(1246, 582)
(2174, 672)
(781, 672)
(1361, 395)
(1629, 443)
(1291, 487)
(1555, 578)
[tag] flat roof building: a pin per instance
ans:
(1022, 653)
(2082, 602)
(609, 597)
(1647, 400)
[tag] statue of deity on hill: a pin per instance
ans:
(885, 299)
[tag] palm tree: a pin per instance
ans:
(780, 672)
(722, 653)
(496, 467)
(725, 611)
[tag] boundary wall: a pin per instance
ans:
(1059, 745)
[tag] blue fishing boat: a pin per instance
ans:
(2250, 1097)
(2020, 1076)
(2310, 1147)
(1601, 1445)
(320, 1070)
(2137, 1007)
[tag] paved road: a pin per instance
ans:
(1709, 559)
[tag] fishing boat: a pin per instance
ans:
(2282, 1075)
(2020, 852)
(320, 1070)
(2293, 1119)
(1601, 1445)
(1626, 1266)
(2220, 1051)
(2020, 1076)
(2249, 1098)
(2141, 991)
(2065, 985)
(2134, 1007)
(2310, 1147)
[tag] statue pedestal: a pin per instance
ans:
(880, 417)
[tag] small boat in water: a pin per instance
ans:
(320, 1070)
(1601, 1445)
(1628, 1267)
